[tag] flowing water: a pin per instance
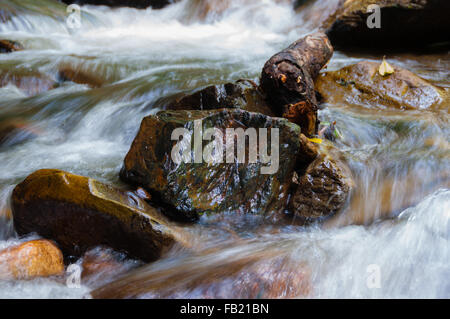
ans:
(392, 241)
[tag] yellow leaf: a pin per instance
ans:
(315, 140)
(385, 68)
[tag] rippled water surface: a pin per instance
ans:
(398, 220)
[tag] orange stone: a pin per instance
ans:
(36, 258)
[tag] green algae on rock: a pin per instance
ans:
(79, 213)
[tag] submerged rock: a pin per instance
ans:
(67, 73)
(8, 46)
(29, 81)
(140, 4)
(243, 95)
(403, 23)
(36, 258)
(216, 183)
(361, 84)
(14, 131)
(322, 190)
(102, 264)
(79, 213)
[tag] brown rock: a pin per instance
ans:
(243, 95)
(361, 84)
(404, 23)
(8, 46)
(322, 190)
(29, 81)
(79, 213)
(36, 258)
(101, 265)
(287, 79)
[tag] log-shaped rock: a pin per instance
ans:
(79, 213)
(287, 79)
(362, 85)
(242, 94)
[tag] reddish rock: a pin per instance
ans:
(37, 258)
(140, 4)
(8, 46)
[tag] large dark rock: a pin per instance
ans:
(404, 23)
(361, 85)
(36, 258)
(198, 188)
(140, 4)
(242, 95)
(322, 190)
(79, 213)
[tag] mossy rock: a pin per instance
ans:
(194, 189)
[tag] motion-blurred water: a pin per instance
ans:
(398, 158)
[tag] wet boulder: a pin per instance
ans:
(140, 4)
(79, 213)
(36, 258)
(8, 46)
(361, 84)
(203, 173)
(287, 79)
(402, 23)
(243, 95)
(321, 190)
